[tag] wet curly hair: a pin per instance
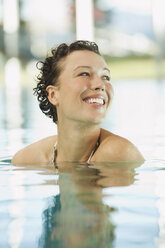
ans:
(50, 71)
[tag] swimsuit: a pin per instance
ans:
(89, 159)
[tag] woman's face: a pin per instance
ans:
(85, 91)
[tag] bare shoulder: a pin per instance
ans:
(116, 148)
(36, 153)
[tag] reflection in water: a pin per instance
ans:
(103, 205)
(16, 212)
(78, 217)
(160, 183)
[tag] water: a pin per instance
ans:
(115, 205)
(105, 205)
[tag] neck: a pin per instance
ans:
(76, 141)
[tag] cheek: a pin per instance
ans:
(77, 87)
(110, 90)
(71, 92)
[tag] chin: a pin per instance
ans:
(96, 120)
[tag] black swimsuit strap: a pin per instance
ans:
(94, 150)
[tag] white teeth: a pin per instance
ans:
(95, 100)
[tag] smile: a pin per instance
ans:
(99, 101)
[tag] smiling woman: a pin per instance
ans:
(74, 90)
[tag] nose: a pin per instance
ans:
(97, 83)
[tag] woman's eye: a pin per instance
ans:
(107, 78)
(84, 74)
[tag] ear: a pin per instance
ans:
(53, 94)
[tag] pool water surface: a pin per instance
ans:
(116, 205)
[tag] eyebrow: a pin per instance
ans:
(89, 67)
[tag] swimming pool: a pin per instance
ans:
(115, 205)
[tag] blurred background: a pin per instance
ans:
(131, 36)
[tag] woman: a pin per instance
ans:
(74, 90)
